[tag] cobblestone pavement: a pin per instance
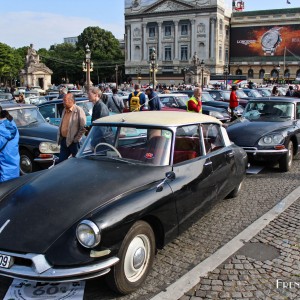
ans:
(209, 232)
(243, 276)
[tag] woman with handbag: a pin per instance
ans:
(9, 147)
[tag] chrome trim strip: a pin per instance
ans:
(42, 271)
(44, 160)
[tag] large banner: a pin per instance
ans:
(265, 41)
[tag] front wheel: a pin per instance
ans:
(285, 163)
(27, 164)
(136, 258)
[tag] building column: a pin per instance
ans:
(128, 43)
(176, 40)
(193, 37)
(212, 33)
(159, 46)
(144, 25)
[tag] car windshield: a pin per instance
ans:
(268, 111)
(240, 94)
(206, 97)
(26, 116)
(265, 92)
(86, 106)
(129, 144)
(253, 93)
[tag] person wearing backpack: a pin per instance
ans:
(136, 99)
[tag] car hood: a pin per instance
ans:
(245, 133)
(44, 131)
(42, 207)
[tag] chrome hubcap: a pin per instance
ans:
(25, 165)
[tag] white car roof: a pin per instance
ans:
(158, 118)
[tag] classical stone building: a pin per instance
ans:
(35, 73)
(265, 45)
(180, 31)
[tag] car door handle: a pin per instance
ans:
(208, 163)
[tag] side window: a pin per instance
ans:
(213, 138)
(166, 101)
(48, 111)
(187, 143)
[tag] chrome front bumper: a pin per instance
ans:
(40, 270)
(255, 151)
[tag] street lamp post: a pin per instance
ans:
(278, 69)
(226, 75)
(87, 66)
(202, 66)
(185, 69)
(153, 66)
(139, 77)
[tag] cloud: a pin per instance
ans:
(45, 29)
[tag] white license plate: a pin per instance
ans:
(6, 261)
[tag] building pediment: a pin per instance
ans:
(168, 5)
(39, 69)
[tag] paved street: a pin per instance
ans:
(238, 276)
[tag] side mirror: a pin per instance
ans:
(48, 119)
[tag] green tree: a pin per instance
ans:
(10, 64)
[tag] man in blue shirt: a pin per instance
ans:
(154, 101)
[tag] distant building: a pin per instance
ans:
(71, 40)
(265, 45)
(35, 73)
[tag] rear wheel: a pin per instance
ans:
(285, 163)
(136, 258)
(236, 191)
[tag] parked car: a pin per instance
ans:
(6, 96)
(37, 144)
(178, 100)
(39, 89)
(224, 96)
(52, 110)
(141, 191)
(269, 130)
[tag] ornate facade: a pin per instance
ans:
(35, 73)
(179, 30)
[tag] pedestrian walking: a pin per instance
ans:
(71, 128)
(136, 99)
(275, 91)
(194, 104)
(233, 101)
(115, 103)
(99, 108)
(9, 147)
(154, 101)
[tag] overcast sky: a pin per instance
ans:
(44, 23)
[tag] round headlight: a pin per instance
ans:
(267, 139)
(88, 234)
(44, 147)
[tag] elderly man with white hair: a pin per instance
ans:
(194, 104)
